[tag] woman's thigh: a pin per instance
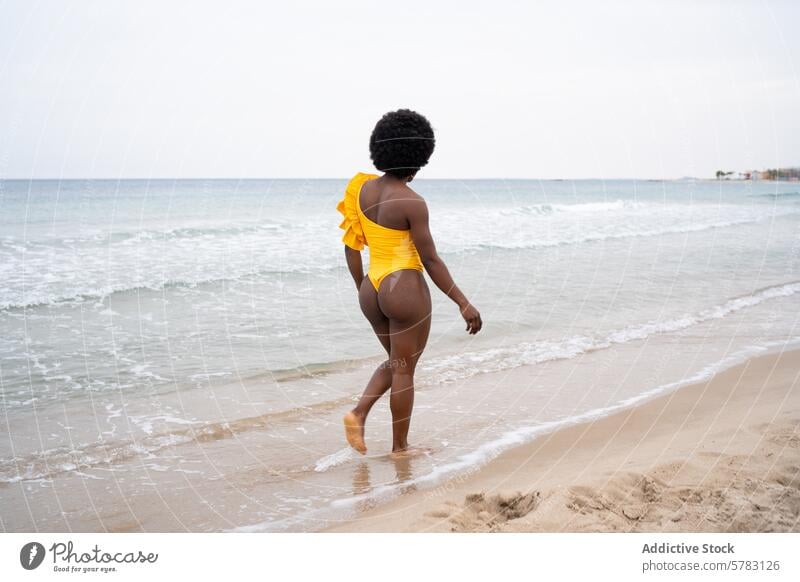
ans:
(405, 299)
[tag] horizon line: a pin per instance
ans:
(128, 178)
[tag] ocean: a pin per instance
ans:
(177, 354)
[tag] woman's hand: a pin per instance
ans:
(472, 317)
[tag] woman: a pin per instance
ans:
(389, 217)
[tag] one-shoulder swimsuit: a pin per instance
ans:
(390, 249)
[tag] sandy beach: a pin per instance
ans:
(717, 456)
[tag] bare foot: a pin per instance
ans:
(411, 452)
(354, 431)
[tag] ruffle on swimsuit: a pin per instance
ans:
(390, 249)
(348, 206)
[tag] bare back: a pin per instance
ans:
(388, 205)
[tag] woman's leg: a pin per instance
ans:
(376, 387)
(406, 300)
(381, 380)
(382, 377)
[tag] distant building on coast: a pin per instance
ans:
(779, 174)
(782, 174)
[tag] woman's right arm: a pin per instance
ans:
(354, 265)
(434, 265)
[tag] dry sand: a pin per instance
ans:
(722, 455)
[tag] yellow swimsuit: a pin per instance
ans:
(390, 249)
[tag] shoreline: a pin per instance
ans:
(722, 454)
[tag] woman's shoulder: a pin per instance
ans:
(408, 203)
(406, 192)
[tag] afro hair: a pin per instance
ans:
(401, 143)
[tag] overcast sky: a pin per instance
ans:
(293, 89)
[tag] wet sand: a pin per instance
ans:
(717, 456)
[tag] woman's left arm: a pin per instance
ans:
(355, 265)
